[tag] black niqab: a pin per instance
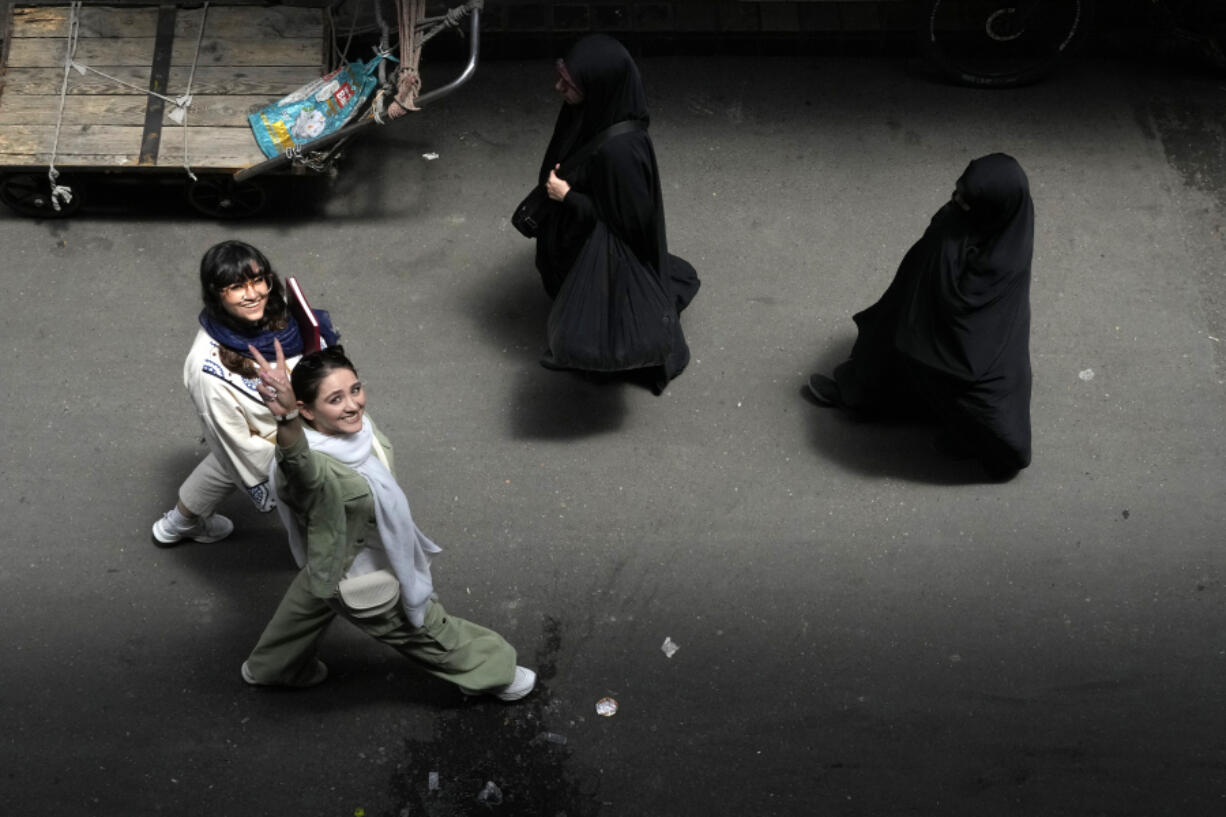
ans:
(952, 331)
(969, 300)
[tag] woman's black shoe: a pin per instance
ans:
(825, 391)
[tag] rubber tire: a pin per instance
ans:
(29, 195)
(958, 70)
(222, 197)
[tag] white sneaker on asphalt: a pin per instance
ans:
(525, 682)
(207, 529)
(318, 677)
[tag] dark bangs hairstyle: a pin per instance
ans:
(312, 369)
(232, 262)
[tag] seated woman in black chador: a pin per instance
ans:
(608, 226)
(951, 335)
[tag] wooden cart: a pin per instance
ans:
(118, 115)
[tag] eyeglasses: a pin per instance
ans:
(239, 288)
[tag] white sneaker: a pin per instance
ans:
(208, 529)
(318, 677)
(525, 682)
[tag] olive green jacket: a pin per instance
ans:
(332, 504)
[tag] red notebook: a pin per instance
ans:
(308, 324)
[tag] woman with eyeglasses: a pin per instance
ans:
(606, 234)
(244, 306)
(352, 534)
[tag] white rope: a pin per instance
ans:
(342, 54)
(376, 108)
(383, 47)
(183, 102)
(385, 37)
(82, 67)
(61, 192)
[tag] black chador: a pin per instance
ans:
(951, 334)
(603, 253)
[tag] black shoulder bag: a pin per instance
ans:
(534, 209)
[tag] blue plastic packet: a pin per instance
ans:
(314, 110)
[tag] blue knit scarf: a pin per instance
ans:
(291, 339)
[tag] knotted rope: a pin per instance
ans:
(415, 31)
(178, 114)
(184, 102)
(62, 193)
(409, 13)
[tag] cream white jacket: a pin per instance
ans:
(238, 427)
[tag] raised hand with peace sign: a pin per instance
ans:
(274, 384)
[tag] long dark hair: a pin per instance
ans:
(232, 262)
(312, 369)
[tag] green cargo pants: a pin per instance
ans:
(471, 656)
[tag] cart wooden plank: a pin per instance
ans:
(225, 147)
(206, 147)
(223, 22)
(250, 56)
(272, 82)
(214, 110)
(33, 52)
(68, 162)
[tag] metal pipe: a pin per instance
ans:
(469, 69)
(349, 130)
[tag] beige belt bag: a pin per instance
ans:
(370, 594)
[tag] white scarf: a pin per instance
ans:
(407, 548)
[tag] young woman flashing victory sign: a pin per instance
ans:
(360, 553)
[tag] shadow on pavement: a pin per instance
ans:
(898, 448)
(566, 405)
(558, 405)
(359, 193)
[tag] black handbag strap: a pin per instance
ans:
(584, 153)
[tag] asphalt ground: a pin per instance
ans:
(863, 627)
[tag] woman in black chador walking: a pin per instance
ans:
(602, 250)
(951, 335)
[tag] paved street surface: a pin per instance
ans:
(864, 628)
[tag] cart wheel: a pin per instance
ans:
(1002, 43)
(222, 197)
(29, 194)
